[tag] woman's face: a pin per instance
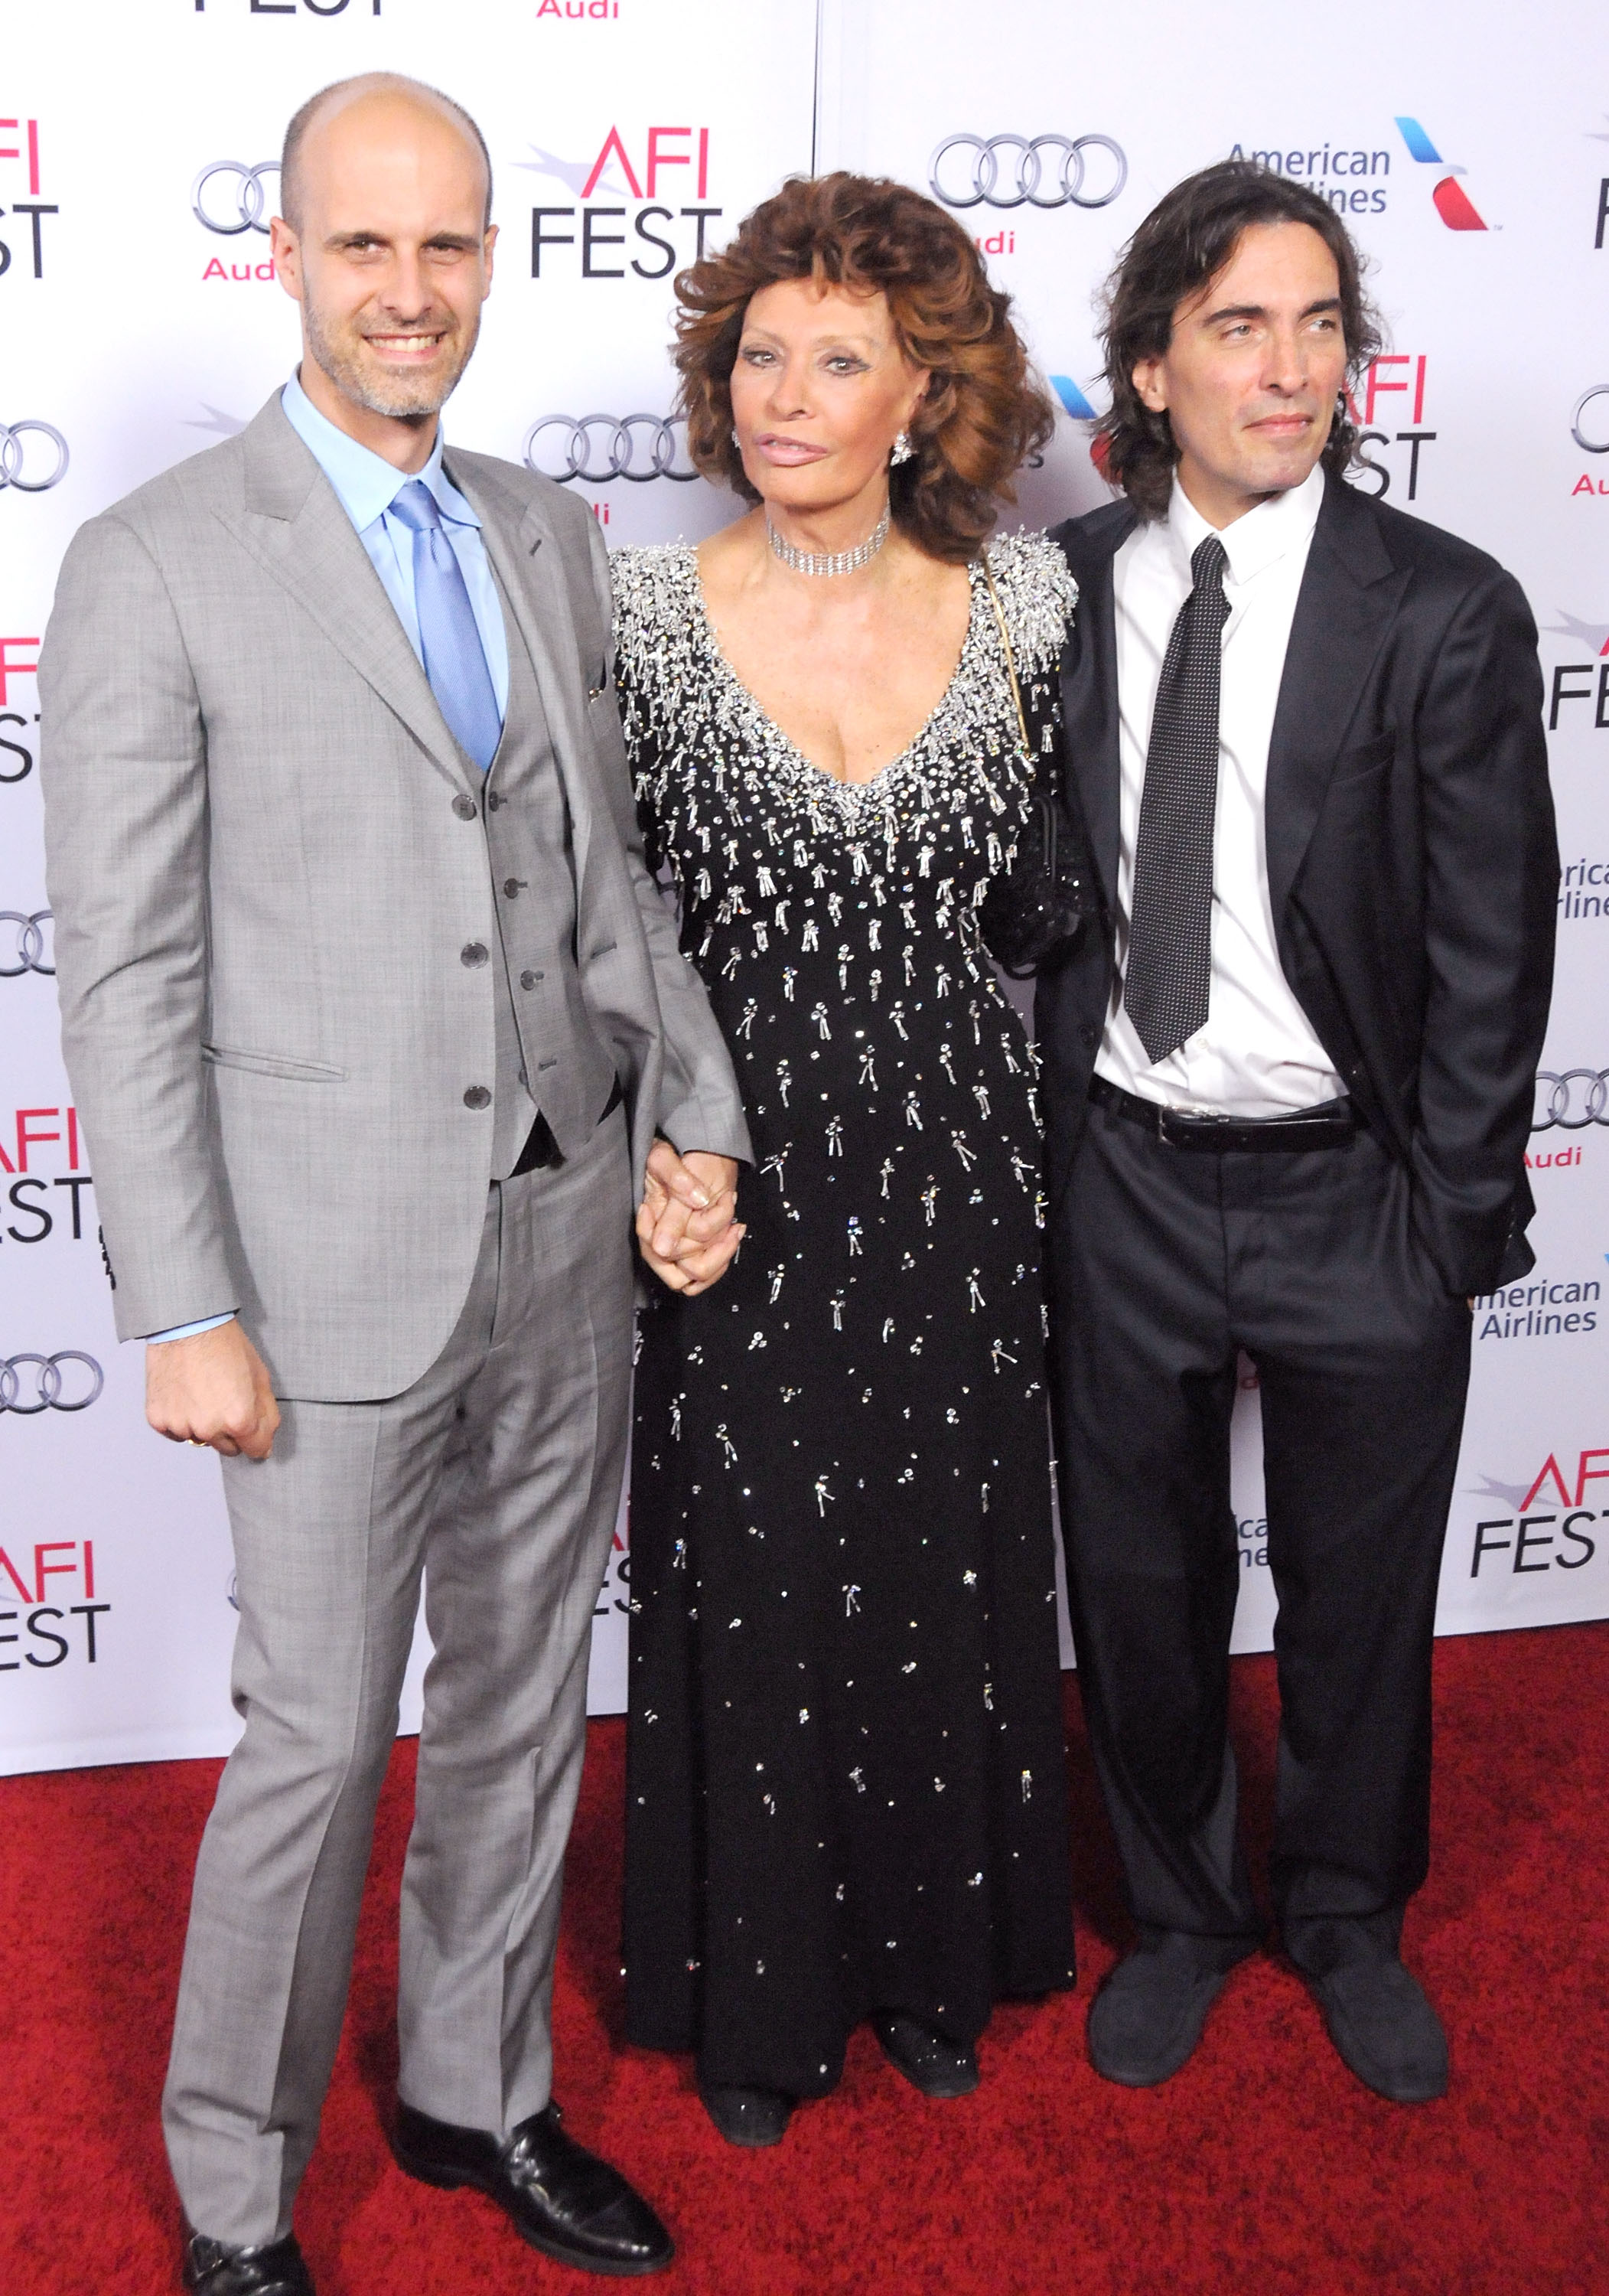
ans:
(820, 392)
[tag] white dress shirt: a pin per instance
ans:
(1257, 1054)
(366, 486)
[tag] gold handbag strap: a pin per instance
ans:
(1004, 639)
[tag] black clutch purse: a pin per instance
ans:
(1033, 912)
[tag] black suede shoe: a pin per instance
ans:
(213, 2268)
(1384, 2029)
(750, 2116)
(1147, 2019)
(929, 2059)
(559, 2197)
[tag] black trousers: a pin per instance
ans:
(1165, 1262)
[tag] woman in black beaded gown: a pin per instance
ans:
(845, 1793)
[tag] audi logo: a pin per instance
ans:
(14, 456)
(30, 944)
(1571, 1101)
(49, 1382)
(637, 448)
(1589, 445)
(1047, 171)
(249, 197)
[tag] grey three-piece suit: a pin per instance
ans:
(315, 972)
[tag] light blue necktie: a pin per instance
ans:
(455, 661)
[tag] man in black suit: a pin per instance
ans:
(1288, 1089)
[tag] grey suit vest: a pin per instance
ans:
(548, 1054)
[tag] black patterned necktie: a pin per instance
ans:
(1167, 984)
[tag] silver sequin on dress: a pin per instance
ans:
(844, 1773)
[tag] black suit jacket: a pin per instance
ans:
(1412, 862)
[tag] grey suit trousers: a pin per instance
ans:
(496, 1476)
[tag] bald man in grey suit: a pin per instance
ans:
(380, 1031)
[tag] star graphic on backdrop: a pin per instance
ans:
(1595, 634)
(227, 426)
(1514, 1493)
(573, 174)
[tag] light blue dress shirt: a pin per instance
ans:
(366, 486)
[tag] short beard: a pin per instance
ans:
(404, 400)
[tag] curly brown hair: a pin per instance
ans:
(1179, 248)
(984, 411)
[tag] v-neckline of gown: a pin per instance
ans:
(751, 702)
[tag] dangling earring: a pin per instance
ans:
(901, 450)
(737, 442)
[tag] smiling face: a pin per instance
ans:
(1251, 376)
(390, 256)
(820, 391)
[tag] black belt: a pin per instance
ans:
(541, 1152)
(1331, 1124)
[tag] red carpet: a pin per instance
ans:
(1262, 2168)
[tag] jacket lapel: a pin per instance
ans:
(529, 561)
(1089, 683)
(1350, 594)
(294, 526)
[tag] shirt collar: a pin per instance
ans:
(1285, 522)
(366, 484)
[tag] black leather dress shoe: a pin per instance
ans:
(559, 2197)
(929, 2059)
(214, 2268)
(750, 2116)
(1147, 2019)
(1384, 2029)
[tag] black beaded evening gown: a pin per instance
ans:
(846, 1787)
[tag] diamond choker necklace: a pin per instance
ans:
(829, 561)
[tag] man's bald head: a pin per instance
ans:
(380, 91)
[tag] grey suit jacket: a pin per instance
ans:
(262, 876)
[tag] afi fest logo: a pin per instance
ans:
(41, 1625)
(20, 170)
(49, 1201)
(19, 658)
(286, 8)
(1585, 682)
(639, 208)
(1549, 1525)
(1452, 201)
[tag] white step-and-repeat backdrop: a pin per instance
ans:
(140, 320)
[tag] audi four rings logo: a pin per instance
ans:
(1571, 1101)
(30, 944)
(250, 200)
(1600, 421)
(1038, 171)
(29, 1384)
(16, 460)
(599, 447)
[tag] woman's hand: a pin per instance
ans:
(687, 1227)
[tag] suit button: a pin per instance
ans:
(1089, 1036)
(529, 979)
(494, 800)
(512, 885)
(478, 1096)
(473, 952)
(465, 807)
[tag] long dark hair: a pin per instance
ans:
(1180, 247)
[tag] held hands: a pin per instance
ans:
(686, 1226)
(211, 1390)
